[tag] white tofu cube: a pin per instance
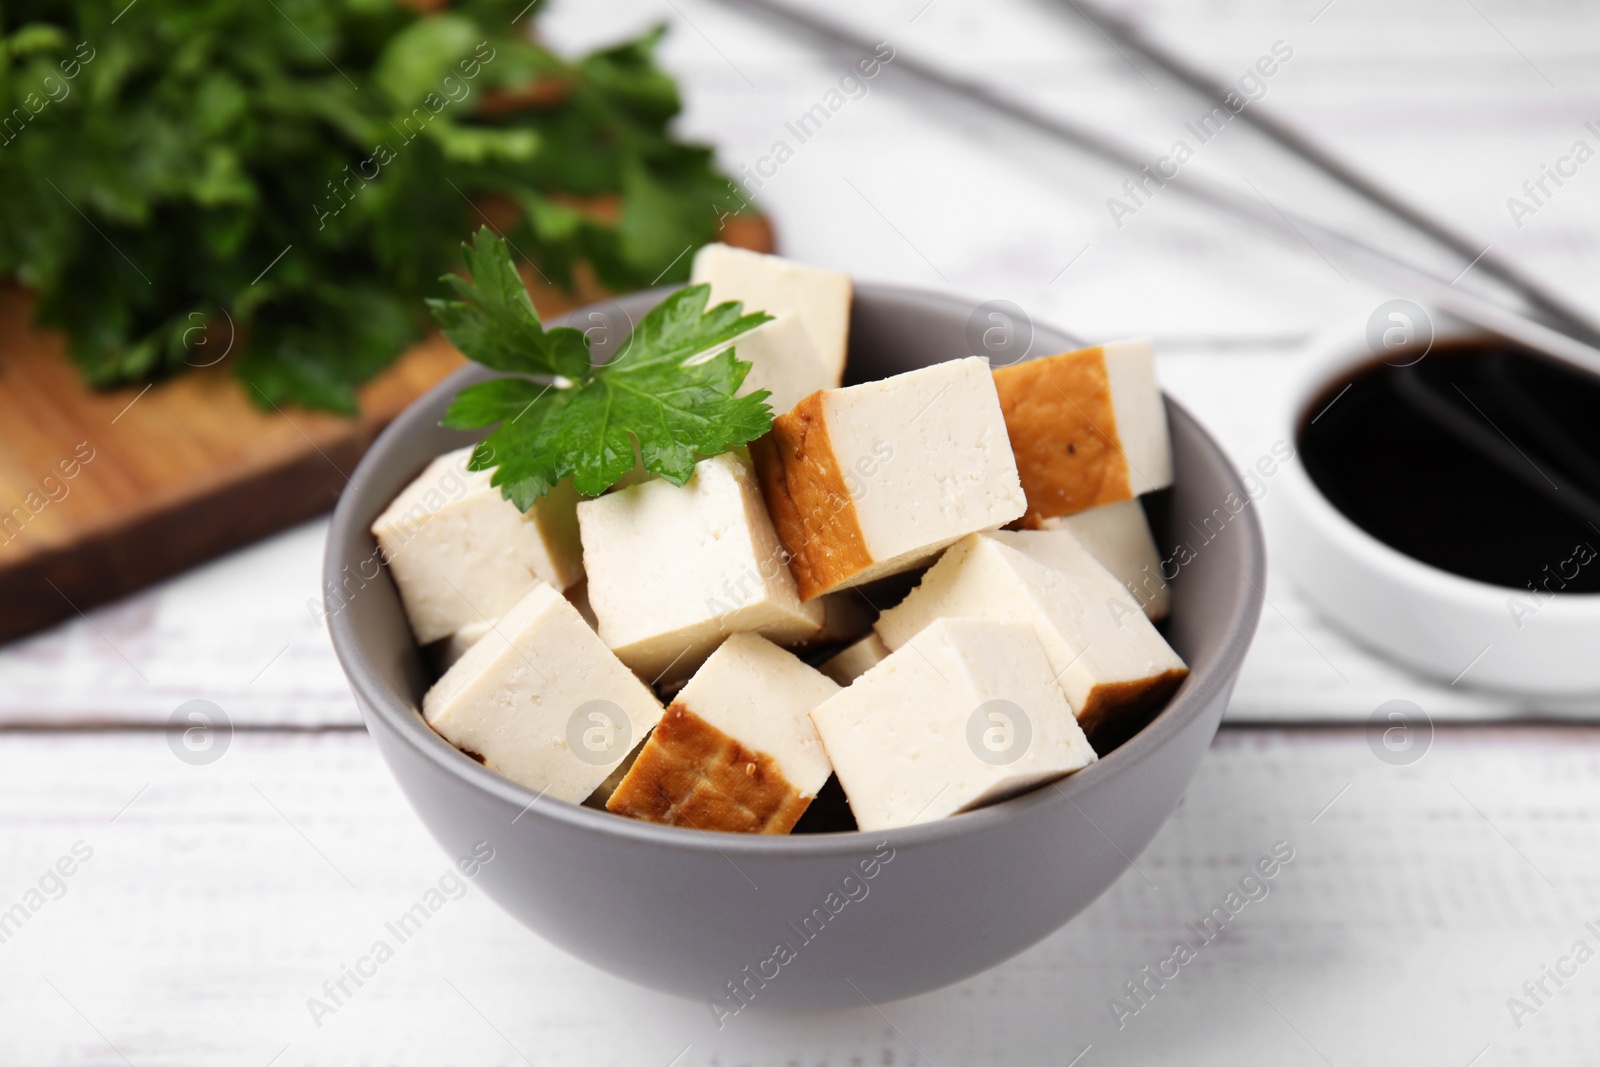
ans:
(455, 646)
(1107, 657)
(540, 700)
(736, 751)
(966, 713)
(877, 478)
(784, 361)
(1088, 427)
(674, 570)
(851, 663)
(461, 553)
(819, 298)
(1118, 536)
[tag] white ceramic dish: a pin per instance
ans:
(1452, 628)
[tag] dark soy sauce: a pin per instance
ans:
(1480, 458)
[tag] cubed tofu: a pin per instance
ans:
(852, 662)
(877, 478)
(542, 701)
(964, 714)
(675, 569)
(819, 298)
(784, 361)
(460, 553)
(455, 646)
(1118, 535)
(1088, 427)
(1105, 654)
(736, 751)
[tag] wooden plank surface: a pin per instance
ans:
(104, 492)
(218, 899)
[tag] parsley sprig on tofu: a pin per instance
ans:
(669, 390)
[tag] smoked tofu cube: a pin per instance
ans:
(784, 361)
(818, 298)
(736, 750)
(1118, 536)
(1088, 427)
(675, 569)
(460, 553)
(1104, 653)
(877, 478)
(852, 662)
(964, 714)
(540, 700)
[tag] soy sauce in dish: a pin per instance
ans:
(1479, 457)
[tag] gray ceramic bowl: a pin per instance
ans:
(795, 922)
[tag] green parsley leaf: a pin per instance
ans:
(494, 321)
(666, 397)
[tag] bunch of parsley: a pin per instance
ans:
(293, 175)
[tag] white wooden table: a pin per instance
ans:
(215, 900)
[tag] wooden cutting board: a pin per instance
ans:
(104, 492)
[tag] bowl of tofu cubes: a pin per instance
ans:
(865, 706)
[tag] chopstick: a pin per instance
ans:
(1292, 139)
(1287, 225)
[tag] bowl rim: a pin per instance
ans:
(1339, 352)
(1199, 691)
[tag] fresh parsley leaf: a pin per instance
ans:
(494, 321)
(667, 396)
